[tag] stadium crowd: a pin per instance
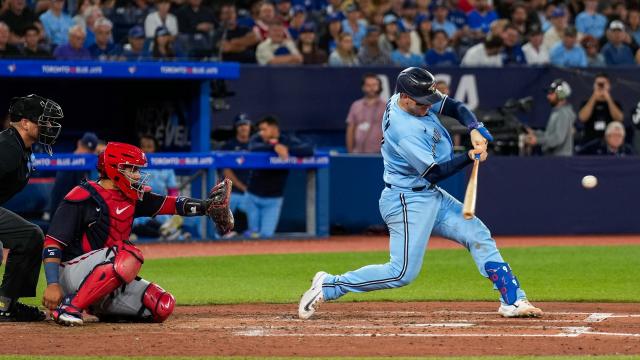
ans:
(333, 32)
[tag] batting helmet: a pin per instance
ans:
(118, 162)
(561, 88)
(419, 85)
(42, 111)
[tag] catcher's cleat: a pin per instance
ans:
(19, 312)
(313, 297)
(67, 314)
(521, 308)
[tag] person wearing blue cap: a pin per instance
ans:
(134, 49)
(297, 21)
(329, 40)
(354, 25)
(163, 44)
(311, 53)
(389, 33)
(67, 180)
(553, 35)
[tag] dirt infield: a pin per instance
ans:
(346, 329)
(358, 243)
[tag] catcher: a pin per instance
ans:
(89, 262)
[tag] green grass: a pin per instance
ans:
(10, 357)
(546, 273)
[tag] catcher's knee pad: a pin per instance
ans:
(108, 276)
(159, 302)
(502, 276)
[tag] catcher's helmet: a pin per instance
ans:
(42, 111)
(419, 85)
(561, 88)
(116, 161)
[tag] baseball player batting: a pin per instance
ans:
(418, 153)
(88, 260)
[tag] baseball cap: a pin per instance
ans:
(90, 140)
(616, 25)
(388, 19)
(557, 12)
(299, 9)
(308, 27)
(162, 31)
(241, 119)
(136, 32)
(372, 29)
(334, 17)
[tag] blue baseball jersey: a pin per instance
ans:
(412, 144)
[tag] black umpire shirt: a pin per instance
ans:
(15, 164)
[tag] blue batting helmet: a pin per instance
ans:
(418, 84)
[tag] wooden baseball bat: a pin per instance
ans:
(469, 205)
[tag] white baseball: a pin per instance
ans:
(589, 182)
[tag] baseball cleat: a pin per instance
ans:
(521, 308)
(312, 298)
(67, 314)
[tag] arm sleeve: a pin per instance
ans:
(417, 151)
(439, 172)
(459, 111)
(66, 223)
(153, 204)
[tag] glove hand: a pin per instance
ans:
(218, 206)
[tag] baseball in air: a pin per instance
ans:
(589, 182)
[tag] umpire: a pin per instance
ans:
(33, 119)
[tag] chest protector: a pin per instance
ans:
(114, 219)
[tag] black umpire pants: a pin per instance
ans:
(24, 241)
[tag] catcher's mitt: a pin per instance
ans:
(218, 206)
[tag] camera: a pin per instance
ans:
(505, 126)
(600, 85)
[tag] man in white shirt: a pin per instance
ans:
(160, 17)
(277, 49)
(486, 53)
(534, 51)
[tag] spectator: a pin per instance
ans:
(421, 37)
(370, 53)
(311, 53)
(160, 17)
(440, 54)
(239, 177)
(18, 16)
(440, 21)
(402, 56)
(163, 45)
(594, 57)
(557, 138)
(297, 21)
(87, 21)
(512, 51)
(266, 187)
(344, 54)
(329, 41)
(364, 121)
(389, 34)
(283, 11)
(67, 180)
(162, 182)
(73, 50)
(103, 48)
(481, 17)
(56, 23)
(553, 35)
(238, 41)
(545, 15)
(634, 24)
(31, 49)
(486, 53)
(534, 52)
(590, 21)
(568, 53)
(134, 50)
(277, 49)
(599, 110)
(519, 15)
(354, 25)
(195, 18)
(457, 15)
(127, 15)
(615, 51)
(6, 50)
(407, 20)
(266, 16)
(612, 145)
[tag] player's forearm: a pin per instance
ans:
(438, 172)
(51, 258)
